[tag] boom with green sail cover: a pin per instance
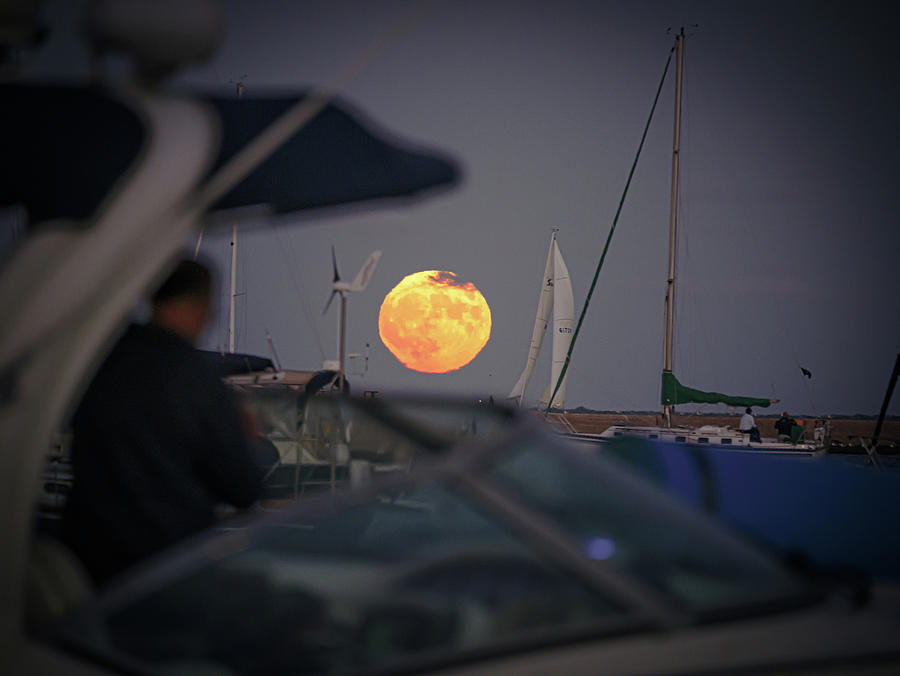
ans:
(674, 393)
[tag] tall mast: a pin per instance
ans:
(240, 92)
(343, 341)
(673, 210)
(231, 305)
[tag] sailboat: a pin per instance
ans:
(672, 391)
(556, 300)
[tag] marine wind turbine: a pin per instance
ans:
(359, 283)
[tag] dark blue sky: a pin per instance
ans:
(788, 248)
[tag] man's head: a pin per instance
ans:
(784, 414)
(748, 410)
(182, 303)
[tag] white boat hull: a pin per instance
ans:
(708, 435)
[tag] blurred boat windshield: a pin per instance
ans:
(510, 540)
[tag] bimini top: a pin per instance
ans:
(65, 146)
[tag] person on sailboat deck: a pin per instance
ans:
(158, 439)
(784, 425)
(748, 425)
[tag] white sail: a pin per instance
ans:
(545, 305)
(556, 299)
(563, 323)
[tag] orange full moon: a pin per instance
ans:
(434, 323)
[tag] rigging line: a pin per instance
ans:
(674, 304)
(245, 305)
(682, 248)
(221, 324)
(203, 225)
(687, 342)
(587, 300)
(199, 241)
(304, 304)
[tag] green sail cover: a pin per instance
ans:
(674, 392)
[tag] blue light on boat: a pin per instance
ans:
(600, 548)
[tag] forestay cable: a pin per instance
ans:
(612, 229)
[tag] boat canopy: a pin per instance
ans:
(65, 146)
(674, 392)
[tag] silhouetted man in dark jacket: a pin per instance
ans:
(784, 425)
(158, 440)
